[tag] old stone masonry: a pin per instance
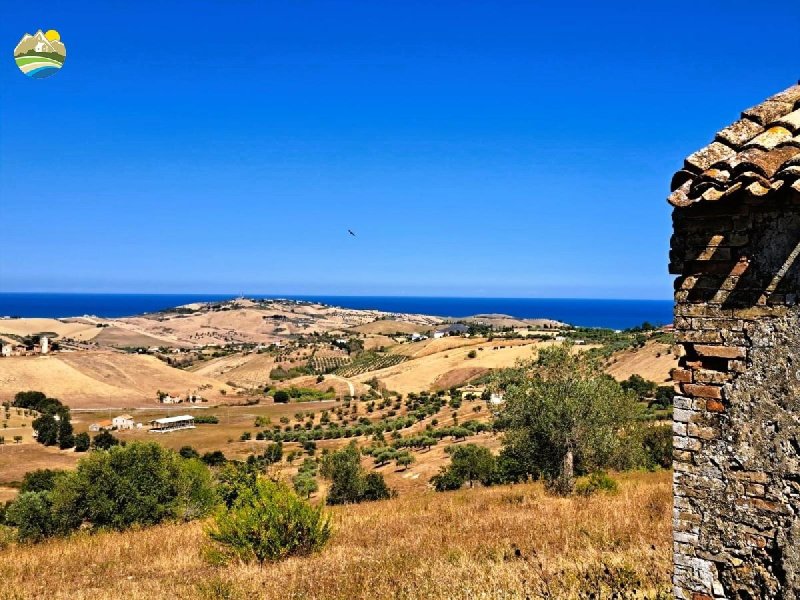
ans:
(736, 252)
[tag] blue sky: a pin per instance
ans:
(476, 148)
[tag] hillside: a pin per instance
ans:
(653, 362)
(447, 360)
(501, 542)
(100, 378)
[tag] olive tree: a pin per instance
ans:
(562, 415)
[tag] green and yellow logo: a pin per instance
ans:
(40, 55)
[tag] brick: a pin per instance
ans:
(715, 406)
(681, 375)
(720, 351)
(703, 336)
(698, 431)
(684, 416)
(709, 376)
(703, 391)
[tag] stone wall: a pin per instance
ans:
(737, 411)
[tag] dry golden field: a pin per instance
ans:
(437, 359)
(653, 362)
(100, 378)
(506, 542)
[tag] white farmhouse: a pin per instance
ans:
(123, 422)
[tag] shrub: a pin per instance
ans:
(214, 459)
(138, 484)
(599, 481)
(268, 523)
(657, 442)
(446, 480)
(188, 452)
(304, 484)
(31, 514)
(472, 354)
(281, 397)
(40, 480)
(104, 441)
(206, 419)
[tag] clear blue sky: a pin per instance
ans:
(476, 148)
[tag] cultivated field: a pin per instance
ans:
(430, 364)
(495, 543)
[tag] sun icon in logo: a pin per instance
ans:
(40, 55)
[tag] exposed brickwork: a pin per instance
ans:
(736, 517)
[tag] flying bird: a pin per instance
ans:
(350, 231)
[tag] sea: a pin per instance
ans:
(584, 312)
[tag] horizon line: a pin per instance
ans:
(288, 296)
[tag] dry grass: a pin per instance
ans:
(653, 362)
(100, 379)
(424, 545)
(18, 459)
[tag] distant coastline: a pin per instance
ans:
(615, 314)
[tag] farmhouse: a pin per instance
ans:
(169, 398)
(168, 424)
(105, 424)
(123, 422)
(735, 250)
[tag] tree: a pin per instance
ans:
(268, 522)
(404, 460)
(447, 480)
(281, 397)
(141, 483)
(562, 415)
(639, 386)
(375, 488)
(104, 441)
(273, 453)
(349, 484)
(46, 428)
(305, 485)
(40, 480)
(66, 439)
(31, 514)
(472, 462)
(82, 442)
(343, 467)
(214, 459)
(657, 442)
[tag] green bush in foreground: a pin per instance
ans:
(137, 484)
(598, 481)
(268, 522)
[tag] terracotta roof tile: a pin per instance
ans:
(768, 112)
(738, 134)
(791, 121)
(711, 154)
(758, 154)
